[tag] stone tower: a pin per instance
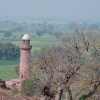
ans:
(25, 58)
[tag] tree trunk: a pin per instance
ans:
(69, 96)
(59, 94)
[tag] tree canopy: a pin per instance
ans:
(9, 51)
(57, 34)
(7, 33)
(39, 33)
(72, 67)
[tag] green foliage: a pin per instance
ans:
(9, 51)
(18, 28)
(39, 33)
(45, 30)
(50, 26)
(63, 95)
(39, 24)
(14, 36)
(50, 32)
(7, 33)
(33, 24)
(14, 89)
(57, 34)
(17, 69)
(93, 26)
(81, 98)
(28, 87)
(2, 31)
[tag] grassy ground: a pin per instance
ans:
(7, 69)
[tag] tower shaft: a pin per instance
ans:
(25, 64)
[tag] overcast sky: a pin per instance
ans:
(69, 9)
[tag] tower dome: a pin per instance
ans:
(26, 37)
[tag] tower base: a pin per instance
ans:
(11, 82)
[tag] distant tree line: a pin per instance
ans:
(9, 51)
(89, 26)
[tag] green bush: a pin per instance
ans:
(14, 89)
(16, 68)
(81, 98)
(28, 87)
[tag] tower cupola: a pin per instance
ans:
(26, 43)
(26, 39)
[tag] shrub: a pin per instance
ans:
(16, 68)
(14, 89)
(28, 87)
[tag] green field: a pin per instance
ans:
(7, 69)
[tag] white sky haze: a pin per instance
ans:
(74, 9)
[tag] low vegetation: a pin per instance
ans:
(28, 87)
(14, 89)
(7, 71)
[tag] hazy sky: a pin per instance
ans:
(69, 9)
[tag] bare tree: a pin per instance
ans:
(67, 67)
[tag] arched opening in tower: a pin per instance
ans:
(21, 76)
